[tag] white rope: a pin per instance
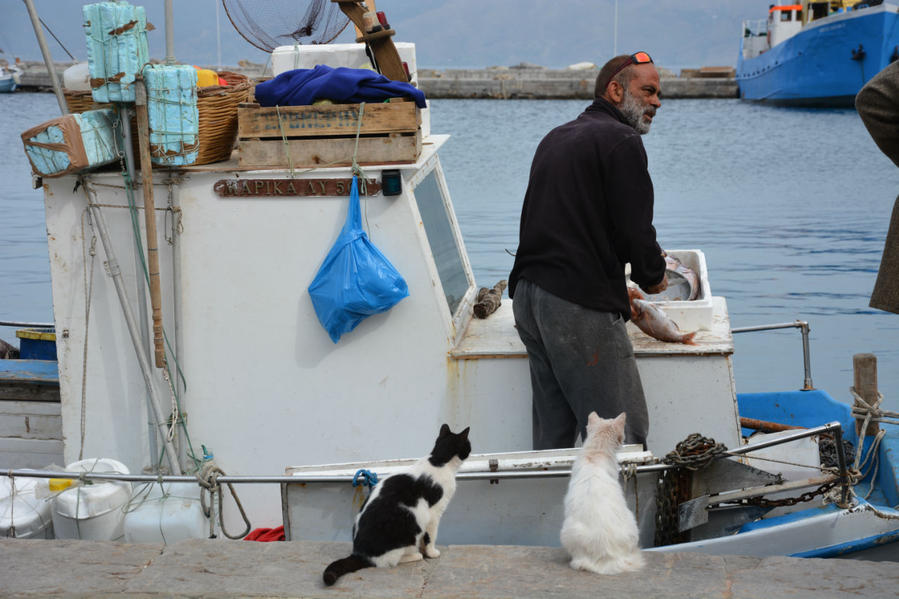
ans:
(88, 295)
(12, 506)
(175, 415)
(870, 411)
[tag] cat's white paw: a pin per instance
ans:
(411, 557)
(432, 552)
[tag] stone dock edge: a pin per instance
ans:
(215, 568)
(494, 83)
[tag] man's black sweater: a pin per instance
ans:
(588, 211)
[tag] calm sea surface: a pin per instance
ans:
(790, 206)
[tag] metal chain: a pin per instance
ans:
(672, 488)
(695, 452)
(807, 496)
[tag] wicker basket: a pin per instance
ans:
(217, 108)
(217, 105)
(81, 101)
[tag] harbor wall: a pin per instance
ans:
(495, 83)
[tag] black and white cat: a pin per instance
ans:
(599, 531)
(399, 519)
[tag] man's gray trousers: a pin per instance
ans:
(581, 361)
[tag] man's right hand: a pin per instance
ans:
(659, 287)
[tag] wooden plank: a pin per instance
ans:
(305, 153)
(326, 119)
(30, 453)
(34, 408)
(29, 426)
(17, 391)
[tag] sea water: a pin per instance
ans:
(790, 206)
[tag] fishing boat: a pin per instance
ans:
(249, 374)
(816, 53)
(9, 78)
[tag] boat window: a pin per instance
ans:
(442, 239)
(786, 15)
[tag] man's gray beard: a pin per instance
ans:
(633, 113)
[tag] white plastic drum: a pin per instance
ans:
(22, 514)
(92, 511)
(165, 514)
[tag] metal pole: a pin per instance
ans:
(806, 358)
(48, 58)
(31, 325)
(142, 358)
(169, 34)
(125, 113)
(218, 34)
(615, 43)
(831, 427)
(804, 328)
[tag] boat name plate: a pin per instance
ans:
(230, 188)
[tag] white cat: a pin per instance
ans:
(600, 532)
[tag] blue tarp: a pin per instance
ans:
(302, 87)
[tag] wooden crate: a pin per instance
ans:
(325, 134)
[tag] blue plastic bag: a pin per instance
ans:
(355, 280)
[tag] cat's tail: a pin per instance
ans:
(344, 566)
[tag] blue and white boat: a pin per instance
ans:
(9, 78)
(816, 53)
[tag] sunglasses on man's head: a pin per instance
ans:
(635, 58)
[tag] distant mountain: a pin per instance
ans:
(448, 33)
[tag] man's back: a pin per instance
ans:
(586, 211)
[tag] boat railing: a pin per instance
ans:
(26, 325)
(806, 352)
(831, 428)
(755, 28)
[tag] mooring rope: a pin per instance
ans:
(208, 479)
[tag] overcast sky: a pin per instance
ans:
(447, 33)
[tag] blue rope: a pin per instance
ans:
(370, 479)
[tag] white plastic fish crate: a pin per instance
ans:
(695, 314)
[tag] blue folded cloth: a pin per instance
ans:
(302, 87)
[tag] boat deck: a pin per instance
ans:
(203, 568)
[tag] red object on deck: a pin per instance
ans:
(266, 535)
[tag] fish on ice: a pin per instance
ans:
(650, 319)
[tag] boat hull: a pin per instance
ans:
(820, 66)
(7, 84)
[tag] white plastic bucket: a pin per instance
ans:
(165, 514)
(92, 511)
(23, 515)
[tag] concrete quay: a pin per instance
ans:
(215, 568)
(539, 83)
(492, 83)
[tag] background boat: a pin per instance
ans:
(816, 53)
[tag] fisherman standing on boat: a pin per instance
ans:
(588, 211)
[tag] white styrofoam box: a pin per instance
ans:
(25, 513)
(287, 58)
(166, 514)
(92, 511)
(695, 314)
(77, 77)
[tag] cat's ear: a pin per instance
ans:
(593, 419)
(464, 434)
(444, 430)
(618, 425)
